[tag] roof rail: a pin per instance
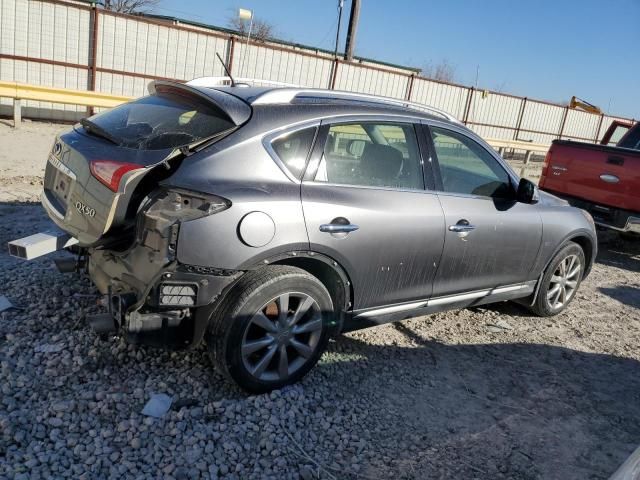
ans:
(287, 95)
(287, 92)
(239, 81)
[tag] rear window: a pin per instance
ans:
(632, 139)
(162, 121)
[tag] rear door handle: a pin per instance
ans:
(338, 228)
(462, 226)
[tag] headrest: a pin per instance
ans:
(381, 161)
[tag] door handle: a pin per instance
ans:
(462, 226)
(338, 228)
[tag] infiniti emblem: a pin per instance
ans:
(57, 149)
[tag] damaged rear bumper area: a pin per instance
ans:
(150, 296)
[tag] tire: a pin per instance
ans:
(560, 281)
(249, 340)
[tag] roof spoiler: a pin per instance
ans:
(233, 108)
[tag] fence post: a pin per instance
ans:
(17, 112)
(410, 87)
(230, 52)
(520, 117)
(93, 60)
(334, 74)
(564, 120)
(595, 140)
(467, 108)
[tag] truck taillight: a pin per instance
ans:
(545, 168)
(110, 172)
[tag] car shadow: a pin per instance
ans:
(629, 295)
(437, 410)
(615, 251)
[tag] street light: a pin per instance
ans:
(245, 14)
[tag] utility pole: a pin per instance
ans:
(353, 27)
(340, 5)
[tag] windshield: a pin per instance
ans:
(160, 121)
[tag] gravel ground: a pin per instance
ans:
(446, 396)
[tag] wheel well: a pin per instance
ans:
(337, 284)
(587, 247)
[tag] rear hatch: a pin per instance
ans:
(97, 169)
(606, 176)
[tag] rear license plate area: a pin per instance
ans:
(59, 180)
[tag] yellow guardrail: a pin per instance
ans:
(21, 91)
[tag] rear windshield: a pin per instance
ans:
(162, 121)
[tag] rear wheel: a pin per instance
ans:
(561, 281)
(271, 329)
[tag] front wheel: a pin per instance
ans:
(560, 281)
(271, 329)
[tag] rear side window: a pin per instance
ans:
(617, 134)
(162, 121)
(372, 155)
(632, 139)
(293, 149)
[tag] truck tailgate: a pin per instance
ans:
(602, 175)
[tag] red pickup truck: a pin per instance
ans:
(603, 179)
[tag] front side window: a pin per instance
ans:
(466, 167)
(372, 155)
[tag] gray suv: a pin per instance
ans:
(265, 220)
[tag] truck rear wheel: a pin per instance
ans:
(271, 329)
(560, 281)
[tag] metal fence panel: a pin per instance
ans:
(354, 78)
(261, 61)
(540, 119)
(133, 50)
(450, 98)
(496, 110)
(580, 125)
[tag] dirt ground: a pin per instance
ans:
(450, 395)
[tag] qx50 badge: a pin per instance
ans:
(85, 210)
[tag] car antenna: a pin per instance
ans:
(233, 82)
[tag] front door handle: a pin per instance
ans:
(338, 228)
(462, 226)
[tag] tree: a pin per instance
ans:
(130, 6)
(444, 71)
(261, 30)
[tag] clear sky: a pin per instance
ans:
(545, 49)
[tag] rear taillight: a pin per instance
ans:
(110, 172)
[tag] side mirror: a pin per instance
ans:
(527, 192)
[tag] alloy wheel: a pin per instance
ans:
(281, 336)
(564, 281)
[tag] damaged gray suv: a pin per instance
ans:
(264, 220)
